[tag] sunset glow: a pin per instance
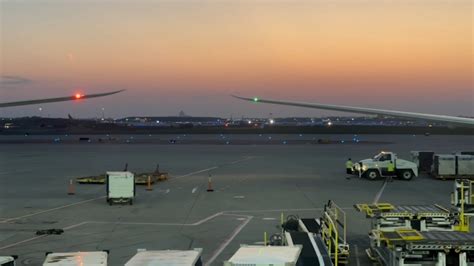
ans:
(412, 54)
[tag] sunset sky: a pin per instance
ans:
(409, 55)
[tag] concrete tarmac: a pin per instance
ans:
(253, 185)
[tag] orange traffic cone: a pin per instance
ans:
(148, 185)
(209, 185)
(71, 190)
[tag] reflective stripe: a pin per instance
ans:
(390, 167)
(349, 164)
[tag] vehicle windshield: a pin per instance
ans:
(377, 157)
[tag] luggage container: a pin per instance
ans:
(7, 260)
(89, 258)
(424, 160)
(265, 255)
(120, 187)
(465, 165)
(166, 258)
(444, 166)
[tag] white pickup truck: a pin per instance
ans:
(377, 167)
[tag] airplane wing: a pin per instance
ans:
(362, 110)
(59, 99)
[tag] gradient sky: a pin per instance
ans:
(414, 55)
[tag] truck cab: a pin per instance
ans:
(377, 166)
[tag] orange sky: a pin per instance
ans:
(359, 52)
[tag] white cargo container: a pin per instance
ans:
(166, 258)
(265, 255)
(465, 165)
(7, 260)
(444, 165)
(90, 258)
(120, 187)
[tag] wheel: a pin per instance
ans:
(406, 175)
(372, 174)
(130, 202)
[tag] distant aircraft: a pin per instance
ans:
(462, 121)
(75, 97)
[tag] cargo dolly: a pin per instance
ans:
(423, 234)
(412, 247)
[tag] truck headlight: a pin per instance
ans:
(364, 168)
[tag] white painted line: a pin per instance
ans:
(269, 219)
(357, 255)
(194, 190)
(242, 160)
(379, 194)
(15, 172)
(197, 172)
(74, 226)
(50, 210)
(239, 197)
(21, 242)
(213, 168)
(281, 210)
(227, 241)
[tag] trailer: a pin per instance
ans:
(8, 260)
(444, 166)
(89, 258)
(166, 257)
(465, 165)
(120, 187)
(265, 255)
(423, 159)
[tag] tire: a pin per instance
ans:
(406, 175)
(130, 202)
(372, 174)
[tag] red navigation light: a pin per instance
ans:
(78, 96)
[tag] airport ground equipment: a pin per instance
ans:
(120, 187)
(452, 166)
(462, 202)
(423, 234)
(423, 159)
(89, 258)
(323, 240)
(140, 178)
(166, 257)
(411, 247)
(95, 179)
(388, 217)
(265, 255)
(464, 165)
(8, 260)
(377, 166)
(444, 166)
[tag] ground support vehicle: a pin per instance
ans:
(120, 187)
(166, 257)
(376, 167)
(265, 255)
(8, 260)
(323, 239)
(89, 258)
(423, 234)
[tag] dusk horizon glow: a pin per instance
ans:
(191, 55)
